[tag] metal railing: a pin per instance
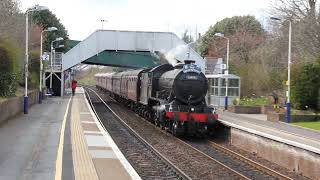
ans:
(56, 62)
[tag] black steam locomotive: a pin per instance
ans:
(173, 97)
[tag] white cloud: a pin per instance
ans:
(82, 17)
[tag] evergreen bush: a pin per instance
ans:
(8, 69)
(305, 86)
(8, 84)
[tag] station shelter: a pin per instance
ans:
(217, 89)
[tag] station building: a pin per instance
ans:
(218, 89)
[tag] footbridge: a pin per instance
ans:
(133, 49)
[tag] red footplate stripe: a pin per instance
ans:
(185, 116)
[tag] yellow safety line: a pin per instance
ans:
(58, 173)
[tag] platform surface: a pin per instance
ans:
(29, 143)
(60, 139)
(279, 131)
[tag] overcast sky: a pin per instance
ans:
(82, 17)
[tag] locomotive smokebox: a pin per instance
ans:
(188, 85)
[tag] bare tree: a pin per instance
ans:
(11, 21)
(304, 15)
(296, 9)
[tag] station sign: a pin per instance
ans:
(223, 66)
(45, 56)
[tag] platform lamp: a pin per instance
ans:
(51, 63)
(103, 21)
(49, 29)
(288, 104)
(25, 99)
(227, 71)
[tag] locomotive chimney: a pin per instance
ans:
(189, 61)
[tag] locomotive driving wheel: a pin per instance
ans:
(160, 119)
(177, 129)
(157, 122)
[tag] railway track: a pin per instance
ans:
(196, 159)
(146, 160)
(248, 161)
(189, 161)
(236, 161)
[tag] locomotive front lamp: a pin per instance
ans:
(103, 21)
(219, 34)
(59, 39)
(51, 29)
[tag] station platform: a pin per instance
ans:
(60, 139)
(279, 131)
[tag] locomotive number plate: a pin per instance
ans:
(192, 77)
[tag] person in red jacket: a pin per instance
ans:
(73, 86)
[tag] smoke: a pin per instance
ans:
(177, 54)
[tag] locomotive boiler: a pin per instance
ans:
(185, 86)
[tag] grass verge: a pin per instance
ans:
(254, 101)
(311, 125)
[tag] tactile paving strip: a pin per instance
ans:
(83, 165)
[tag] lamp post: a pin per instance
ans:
(26, 99)
(227, 71)
(41, 65)
(51, 59)
(102, 21)
(288, 104)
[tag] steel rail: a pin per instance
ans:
(216, 161)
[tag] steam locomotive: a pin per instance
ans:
(173, 97)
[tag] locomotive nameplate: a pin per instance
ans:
(191, 68)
